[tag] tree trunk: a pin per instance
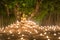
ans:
(17, 12)
(36, 10)
(7, 9)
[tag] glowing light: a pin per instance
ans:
(11, 26)
(18, 22)
(12, 35)
(41, 34)
(48, 39)
(2, 28)
(10, 31)
(19, 32)
(54, 29)
(35, 30)
(45, 33)
(55, 34)
(4, 31)
(33, 26)
(17, 27)
(26, 30)
(22, 34)
(34, 39)
(8, 37)
(47, 36)
(46, 29)
(30, 28)
(58, 37)
(30, 32)
(6, 27)
(22, 38)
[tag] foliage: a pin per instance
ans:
(27, 6)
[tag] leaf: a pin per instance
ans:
(23, 4)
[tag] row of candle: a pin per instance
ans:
(29, 25)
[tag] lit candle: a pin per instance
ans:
(41, 34)
(47, 36)
(58, 37)
(34, 39)
(48, 39)
(45, 33)
(10, 31)
(54, 34)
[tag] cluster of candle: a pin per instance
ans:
(29, 30)
(27, 26)
(50, 28)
